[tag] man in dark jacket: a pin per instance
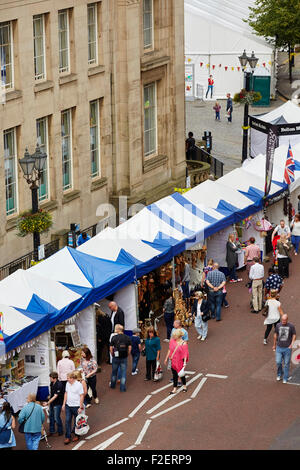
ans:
(229, 107)
(117, 315)
(103, 329)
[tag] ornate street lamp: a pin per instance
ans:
(32, 167)
(252, 61)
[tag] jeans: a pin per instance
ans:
(201, 326)
(283, 354)
(296, 242)
(54, 416)
(232, 273)
(32, 440)
(217, 115)
(135, 360)
(70, 412)
(229, 117)
(210, 87)
(169, 320)
(119, 364)
(224, 300)
(215, 302)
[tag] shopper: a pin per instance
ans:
(64, 367)
(209, 267)
(55, 404)
(168, 310)
(72, 405)
(274, 313)
(200, 307)
(224, 300)
(273, 282)
(216, 281)
(179, 355)
(252, 251)
(90, 368)
(177, 325)
(232, 258)
(185, 282)
(103, 328)
(120, 347)
(33, 417)
(136, 349)
(79, 377)
(217, 109)
(210, 86)
(256, 275)
(296, 233)
(152, 349)
(83, 237)
(117, 316)
(229, 107)
(7, 425)
(283, 256)
(281, 229)
(284, 338)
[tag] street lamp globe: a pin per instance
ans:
(40, 159)
(27, 164)
(252, 61)
(243, 59)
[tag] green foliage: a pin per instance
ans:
(30, 223)
(249, 97)
(278, 21)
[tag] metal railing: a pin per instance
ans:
(201, 155)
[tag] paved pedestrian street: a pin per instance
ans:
(232, 391)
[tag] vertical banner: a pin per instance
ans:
(272, 143)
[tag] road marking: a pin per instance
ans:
(106, 429)
(188, 372)
(139, 406)
(193, 379)
(172, 408)
(108, 442)
(199, 386)
(161, 403)
(162, 388)
(217, 376)
(130, 448)
(143, 432)
(79, 445)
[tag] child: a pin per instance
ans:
(217, 108)
(136, 349)
(224, 301)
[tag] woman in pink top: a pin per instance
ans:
(179, 355)
(252, 251)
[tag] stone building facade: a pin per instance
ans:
(100, 86)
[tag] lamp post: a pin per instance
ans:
(32, 167)
(252, 61)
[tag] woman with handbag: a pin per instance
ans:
(31, 419)
(152, 349)
(7, 424)
(200, 311)
(90, 367)
(273, 313)
(284, 247)
(179, 355)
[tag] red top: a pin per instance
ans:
(210, 81)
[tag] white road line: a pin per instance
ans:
(139, 406)
(108, 442)
(130, 448)
(199, 386)
(194, 378)
(217, 376)
(143, 432)
(107, 429)
(161, 403)
(170, 409)
(79, 445)
(189, 372)
(162, 388)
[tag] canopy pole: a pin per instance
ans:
(173, 273)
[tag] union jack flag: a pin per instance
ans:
(289, 171)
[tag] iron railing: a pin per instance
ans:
(201, 155)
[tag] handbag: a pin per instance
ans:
(206, 316)
(22, 425)
(181, 373)
(5, 434)
(265, 311)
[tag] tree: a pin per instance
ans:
(278, 21)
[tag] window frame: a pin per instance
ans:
(98, 133)
(150, 154)
(38, 77)
(15, 158)
(64, 70)
(149, 46)
(11, 85)
(70, 186)
(46, 149)
(95, 6)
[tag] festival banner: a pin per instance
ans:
(272, 143)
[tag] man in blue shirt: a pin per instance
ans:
(83, 237)
(215, 280)
(177, 324)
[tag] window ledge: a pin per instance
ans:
(95, 70)
(48, 205)
(154, 162)
(12, 95)
(72, 77)
(41, 86)
(149, 62)
(98, 184)
(70, 196)
(11, 222)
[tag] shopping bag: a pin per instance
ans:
(81, 425)
(181, 373)
(158, 372)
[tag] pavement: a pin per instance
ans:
(233, 402)
(284, 87)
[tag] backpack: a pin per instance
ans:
(121, 345)
(81, 425)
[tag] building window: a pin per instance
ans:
(39, 47)
(64, 41)
(92, 34)
(42, 139)
(6, 55)
(10, 166)
(66, 136)
(150, 119)
(148, 23)
(95, 138)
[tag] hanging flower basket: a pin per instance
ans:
(247, 97)
(33, 223)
